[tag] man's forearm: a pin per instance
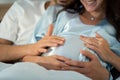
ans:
(11, 52)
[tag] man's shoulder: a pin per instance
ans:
(30, 3)
(34, 6)
(67, 15)
(58, 10)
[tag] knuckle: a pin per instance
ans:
(93, 47)
(58, 65)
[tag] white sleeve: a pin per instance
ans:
(9, 24)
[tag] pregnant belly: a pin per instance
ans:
(70, 49)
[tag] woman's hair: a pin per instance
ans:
(113, 15)
(74, 7)
(112, 12)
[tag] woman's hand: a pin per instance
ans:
(54, 62)
(101, 46)
(98, 44)
(92, 69)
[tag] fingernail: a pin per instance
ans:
(61, 42)
(44, 50)
(63, 39)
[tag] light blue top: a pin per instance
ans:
(71, 27)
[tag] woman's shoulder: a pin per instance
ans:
(57, 8)
(54, 9)
(65, 15)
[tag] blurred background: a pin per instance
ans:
(6, 1)
(4, 6)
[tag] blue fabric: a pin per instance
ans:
(68, 25)
(31, 71)
(4, 66)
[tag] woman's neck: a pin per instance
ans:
(92, 18)
(95, 15)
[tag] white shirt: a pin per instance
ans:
(19, 22)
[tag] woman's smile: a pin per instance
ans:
(90, 2)
(92, 5)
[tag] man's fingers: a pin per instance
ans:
(50, 30)
(61, 58)
(76, 63)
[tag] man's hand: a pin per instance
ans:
(48, 41)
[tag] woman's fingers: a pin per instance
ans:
(88, 54)
(90, 40)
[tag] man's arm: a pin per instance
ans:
(9, 52)
(13, 52)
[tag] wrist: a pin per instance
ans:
(34, 59)
(30, 50)
(111, 57)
